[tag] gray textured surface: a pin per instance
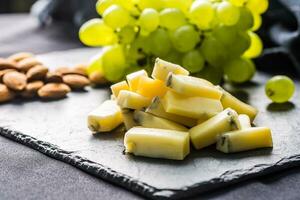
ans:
(63, 123)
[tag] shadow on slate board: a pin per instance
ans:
(58, 129)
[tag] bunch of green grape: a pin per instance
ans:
(213, 39)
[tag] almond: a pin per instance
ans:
(17, 57)
(53, 77)
(76, 81)
(31, 89)
(37, 72)
(15, 80)
(4, 71)
(54, 91)
(80, 69)
(98, 78)
(62, 70)
(7, 64)
(5, 93)
(27, 63)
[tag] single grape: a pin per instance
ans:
(102, 5)
(257, 22)
(183, 5)
(202, 13)
(95, 64)
(113, 62)
(258, 6)
(211, 73)
(238, 2)
(116, 16)
(280, 89)
(246, 20)
(96, 33)
(160, 43)
(226, 35)
(130, 6)
(126, 35)
(256, 46)
(227, 13)
(149, 19)
(193, 61)
(239, 70)
(172, 18)
(185, 38)
(213, 51)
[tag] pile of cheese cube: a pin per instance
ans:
(166, 112)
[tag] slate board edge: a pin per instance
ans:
(139, 187)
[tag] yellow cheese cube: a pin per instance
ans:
(149, 87)
(244, 121)
(229, 101)
(193, 107)
(192, 86)
(245, 139)
(162, 69)
(117, 87)
(205, 134)
(105, 118)
(132, 100)
(150, 121)
(157, 143)
(156, 108)
(128, 118)
(133, 79)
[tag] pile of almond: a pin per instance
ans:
(22, 75)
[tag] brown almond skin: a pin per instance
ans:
(37, 72)
(5, 94)
(53, 77)
(76, 81)
(17, 57)
(98, 78)
(62, 70)
(15, 80)
(67, 70)
(7, 64)
(4, 71)
(54, 91)
(31, 89)
(81, 69)
(27, 63)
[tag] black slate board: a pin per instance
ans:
(58, 129)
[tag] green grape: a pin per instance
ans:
(102, 5)
(211, 73)
(213, 51)
(227, 13)
(226, 35)
(246, 20)
(239, 70)
(193, 61)
(130, 6)
(257, 22)
(96, 33)
(238, 2)
(280, 89)
(256, 46)
(95, 64)
(183, 5)
(156, 4)
(113, 62)
(202, 13)
(171, 18)
(258, 6)
(116, 16)
(149, 19)
(174, 57)
(126, 35)
(160, 43)
(241, 44)
(185, 38)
